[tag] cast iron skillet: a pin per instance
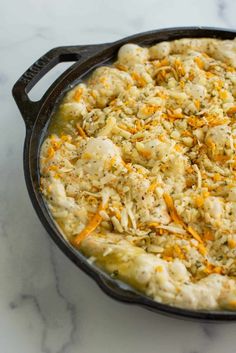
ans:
(36, 116)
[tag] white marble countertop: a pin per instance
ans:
(47, 305)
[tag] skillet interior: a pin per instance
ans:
(37, 116)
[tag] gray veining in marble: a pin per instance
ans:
(46, 304)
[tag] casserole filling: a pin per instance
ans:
(139, 170)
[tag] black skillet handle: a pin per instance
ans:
(27, 81)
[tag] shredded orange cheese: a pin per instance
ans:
(194, 233)
(199, 201)
(210, 268)
(121, 67)
(231, 110)
(160, 63)
(232, 303)
(127, 128)
(149, 110)
(217, 177)
(154, 225)
(208, 235)
(159, 268)
(232, 243)
(172, 210)
(196, 122)
(78, 94)
(176, 218)
(201, 248)
(197, 103)
(152, 187)
(174, 115)
(139, 79)
(216, 121)
(51, 152)
(145, 154)
(90, 227)
(81, 131)
(199, 62)
(223, 94)
(179, 67)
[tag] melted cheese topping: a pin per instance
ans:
(139, 170)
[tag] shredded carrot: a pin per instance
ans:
(81, 131)
(90, 227)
